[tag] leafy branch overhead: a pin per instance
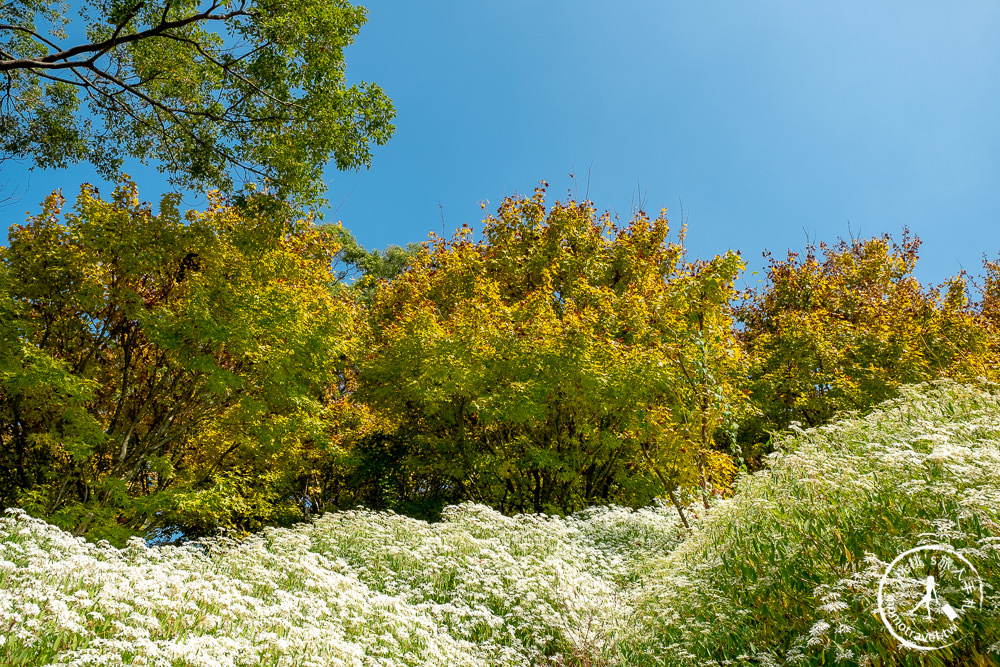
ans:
(217, 92)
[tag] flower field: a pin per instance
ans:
(785, 572)
(351, 588)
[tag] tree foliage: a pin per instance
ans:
(242, 367)
(841, 327)
(163, 370)
(214, 91)
(561, 361)
(365, 268)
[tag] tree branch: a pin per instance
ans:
(156, 104)
(62, 59)
(21, 28)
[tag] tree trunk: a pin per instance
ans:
(702, 452)
(666, 484)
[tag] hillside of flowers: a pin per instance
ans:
(783, 573)
(350, 588)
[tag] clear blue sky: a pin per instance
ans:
(769, 120)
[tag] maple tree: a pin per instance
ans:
(166, 369)
(543, 367)
(842, 326)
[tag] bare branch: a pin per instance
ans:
(9, 199)
(56, 78)
(166, 10)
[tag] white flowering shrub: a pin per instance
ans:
(787, 571)
(350, 588)
(784, 573)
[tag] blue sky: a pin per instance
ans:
(767, 121)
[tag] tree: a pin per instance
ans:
(541, 368)
(707, 397)
(842, 326)
(209, 89)
(167, 369)
(365, 268)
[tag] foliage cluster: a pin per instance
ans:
(162, 370)
(561, 361)
(244, 366)
(215, 92)
(841, 327)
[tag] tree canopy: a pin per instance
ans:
(842, 326)
(165, 369)
(218, 92)
(562, 361)
(244, 366)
